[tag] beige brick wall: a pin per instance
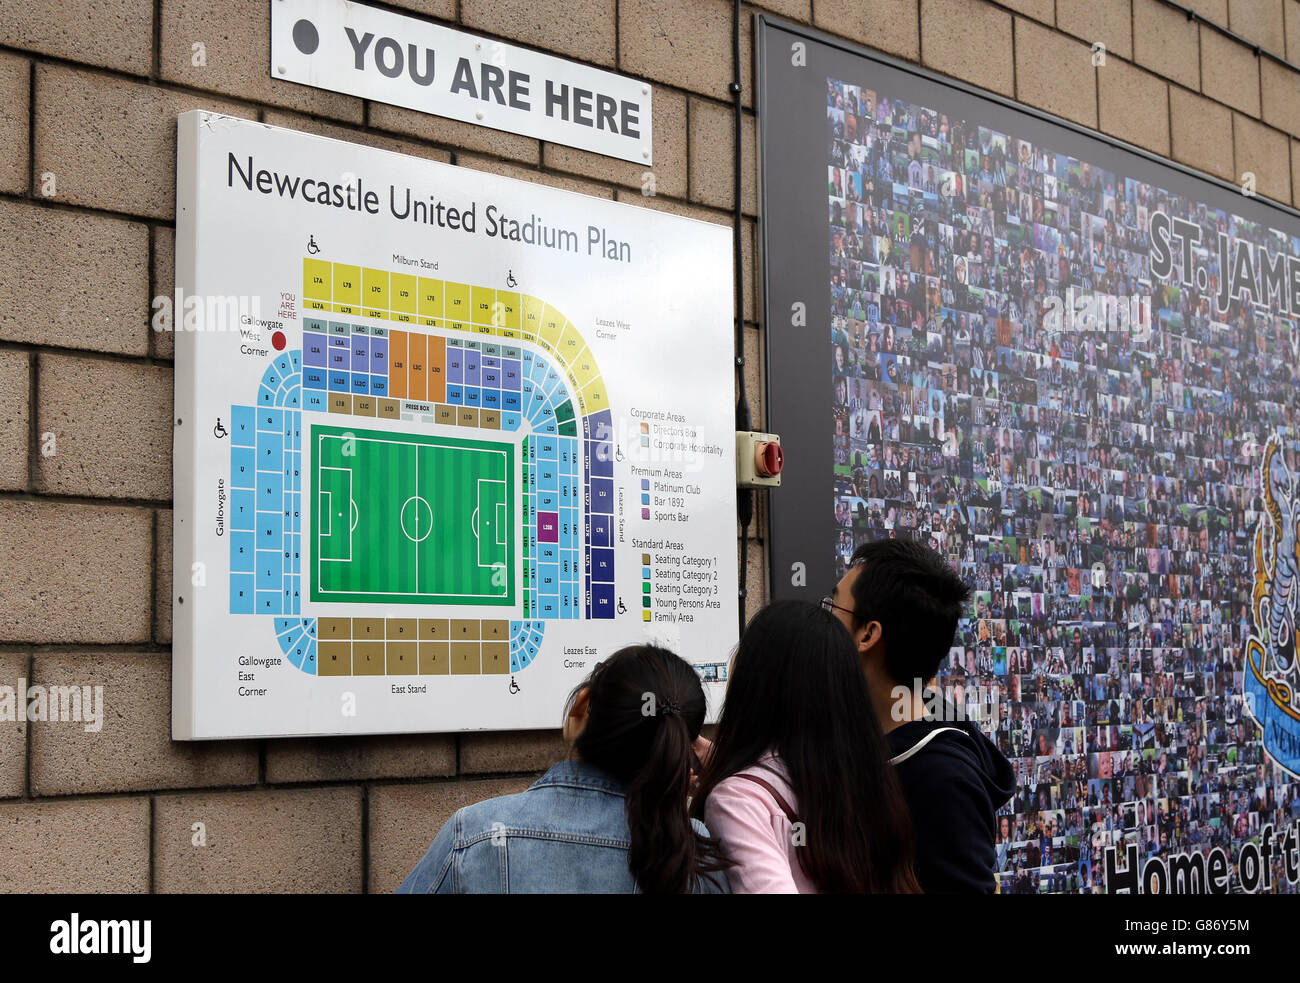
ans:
(89, 91)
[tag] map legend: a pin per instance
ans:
(645, 586)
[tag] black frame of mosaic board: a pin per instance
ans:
(1121, 664)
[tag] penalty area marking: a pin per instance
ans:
(354, 516)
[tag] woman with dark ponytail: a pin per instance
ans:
(612, 817)
(798, 785)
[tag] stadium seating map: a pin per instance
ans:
(443, 441)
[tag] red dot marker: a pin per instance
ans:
(278, 341)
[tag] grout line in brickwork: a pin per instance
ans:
(27, 740)
(152, 819)
(1232, 137)
(148, 648)
(1295, 189)
(62, 61)
(33, 424)
(1169, 109)
(920, 37)
(690, 157)
(365, 837)
(83, 210)
(31, 130)
(1015, 78)
(1200, 65)
(153, 569)
(41, 349)
(152, 348)
(1259, 71)
(55, 498)
(144, 793)
(1290, 159)
(155, 68)
(308, 786)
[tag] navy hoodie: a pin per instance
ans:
(954, 784)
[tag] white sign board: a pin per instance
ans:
(444, 440)
(405, 61)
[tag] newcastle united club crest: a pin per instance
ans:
(1270, 658)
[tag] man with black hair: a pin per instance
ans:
(900, 600)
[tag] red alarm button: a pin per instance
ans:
(768, 459)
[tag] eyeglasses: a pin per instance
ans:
(829, 605)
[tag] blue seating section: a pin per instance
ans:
(486, 375)
(598, 538)
(297, 638)
(548, 407)
(266, 494)
(529, 526)
(547, 404)
(552, 571)
(343, 358)
(525, 642)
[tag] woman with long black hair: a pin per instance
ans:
(798, 786)
(612, 817)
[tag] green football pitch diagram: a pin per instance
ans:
(407, 519)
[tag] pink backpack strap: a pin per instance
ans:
(780, 800)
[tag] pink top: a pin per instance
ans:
(756, 834)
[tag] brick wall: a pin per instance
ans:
(89, 92)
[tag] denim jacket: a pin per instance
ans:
(565, 834)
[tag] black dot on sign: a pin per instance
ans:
(1202, 278)
(305, 36)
